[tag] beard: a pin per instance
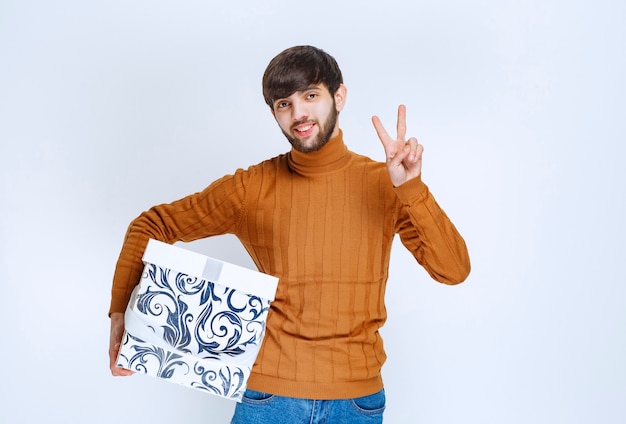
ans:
(325, 133)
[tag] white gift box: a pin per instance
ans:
(195, 320)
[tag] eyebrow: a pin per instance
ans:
(316, 87)
(309, 88)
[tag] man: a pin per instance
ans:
(322, 219)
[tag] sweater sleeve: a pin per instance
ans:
(427, 232)
(215, 210)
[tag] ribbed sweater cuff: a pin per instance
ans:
(412, 190)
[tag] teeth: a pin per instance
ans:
(304, 129)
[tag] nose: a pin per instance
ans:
(298, 111)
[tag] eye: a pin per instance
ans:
(281, 104)
(311, 96)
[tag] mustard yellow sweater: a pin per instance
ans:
(322, 222)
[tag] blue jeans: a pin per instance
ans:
(264, 408)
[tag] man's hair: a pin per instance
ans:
(296, 69)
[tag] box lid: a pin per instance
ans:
(251, 282)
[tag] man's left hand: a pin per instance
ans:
(404, 157)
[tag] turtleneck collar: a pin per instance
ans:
(333, 156)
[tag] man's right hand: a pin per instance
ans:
(117, 331)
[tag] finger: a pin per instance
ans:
(401, 125)
(420, 152)
(115, 370)
(400, 157)
(413, 161)
(380, 131)
(413, 145)
(121, 372)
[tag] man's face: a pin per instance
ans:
(308, 118)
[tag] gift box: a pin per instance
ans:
(195, 320)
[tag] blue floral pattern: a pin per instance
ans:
(208, 335)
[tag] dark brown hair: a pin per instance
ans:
(296, 69)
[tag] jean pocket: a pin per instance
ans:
(256, 398)
(370, 405)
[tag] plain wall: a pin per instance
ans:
(110, 107)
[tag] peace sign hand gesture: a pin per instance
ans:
(404, 157)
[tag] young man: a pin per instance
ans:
(322, 219)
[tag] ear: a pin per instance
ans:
(340, 97)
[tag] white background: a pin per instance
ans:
(109, 107)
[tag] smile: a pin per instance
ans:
(304, 129)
